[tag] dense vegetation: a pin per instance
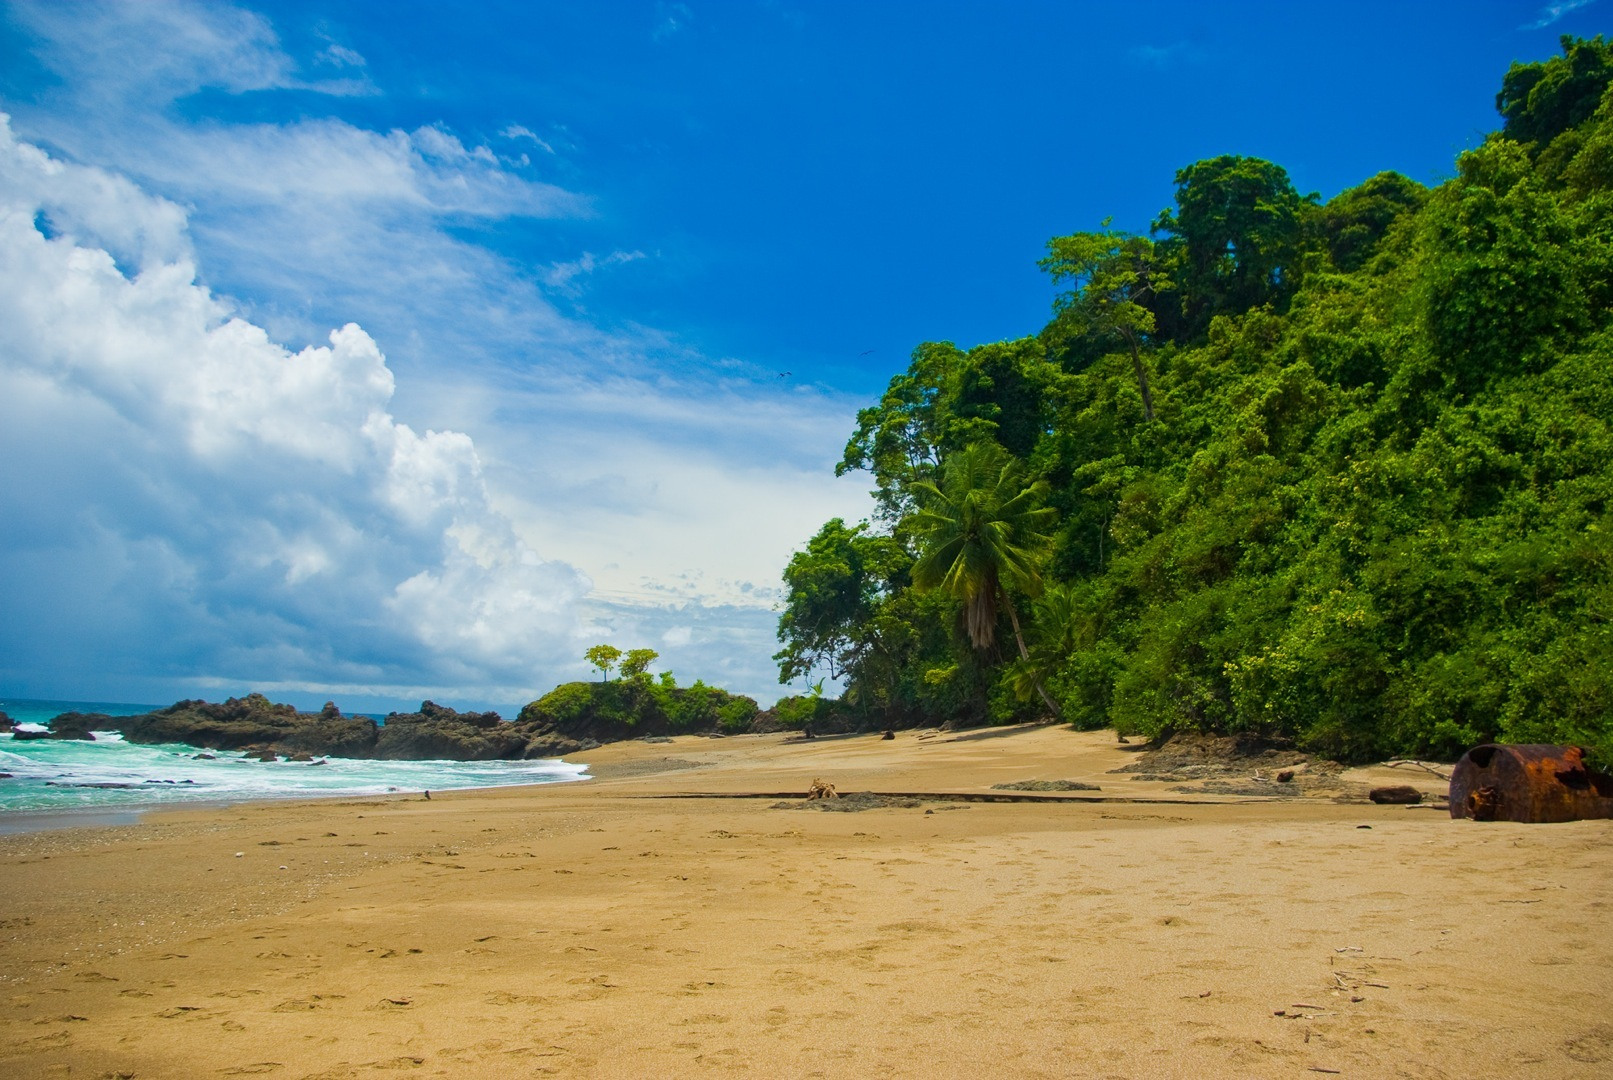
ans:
(636, 704)
(1338, 471)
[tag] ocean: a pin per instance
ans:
(110, 776)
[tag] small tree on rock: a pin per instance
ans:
(604, 658)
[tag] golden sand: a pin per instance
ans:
(606, 929)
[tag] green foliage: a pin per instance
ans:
(1235, 239)
(1341, 473)
(636, 663)
(982, 532)
(1113, 275)
(604, 658)
(636, 706)
(1542, 101)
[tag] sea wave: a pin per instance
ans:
(62, 774)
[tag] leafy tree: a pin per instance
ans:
(637, 661)
(1235, 239)
(1372, 511)
(983, 531)
(1113, 276)
(832, 592)
(1355, 221)
(1541, 101)
(604, 658)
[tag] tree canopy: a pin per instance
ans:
(1337, 471)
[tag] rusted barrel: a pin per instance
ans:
(1535, 783)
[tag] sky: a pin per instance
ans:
(382, 351)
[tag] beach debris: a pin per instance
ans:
(1400, 762)
(240, 854)
(822, 789)
(853, 801)
(1397, 795)
(1529, 783)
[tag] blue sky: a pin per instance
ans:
(578, 245)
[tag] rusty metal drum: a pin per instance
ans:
(1532, 783)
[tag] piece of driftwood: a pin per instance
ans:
(1425, 768)
(822, 789)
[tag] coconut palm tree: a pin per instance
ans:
(982, 530)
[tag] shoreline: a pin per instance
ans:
(620, 928)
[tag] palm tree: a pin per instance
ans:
(983, 529)
(1054, 637)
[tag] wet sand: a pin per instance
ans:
(611, 929)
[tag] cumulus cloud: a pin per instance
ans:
(168, 464)
(678, 483)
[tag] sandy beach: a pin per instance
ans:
(619, 927)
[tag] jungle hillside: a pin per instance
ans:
(1338, 472)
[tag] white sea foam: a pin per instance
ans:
(51, 774)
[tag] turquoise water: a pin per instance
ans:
(110, 775)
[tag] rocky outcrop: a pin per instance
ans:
(329, 732)
(6, 723)
(437, 732)
(77, 725)
(233, 725)
(268, 731)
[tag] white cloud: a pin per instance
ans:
(669, 19)
(376, 557)
(1552, 12)
(560, 274)
(338, 55)
(267, 501)
(161, 50)
(517, 131)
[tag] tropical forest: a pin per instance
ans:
(1335, 472)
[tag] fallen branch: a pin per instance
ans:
(1420, 765)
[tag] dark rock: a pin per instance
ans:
(205, 757)
(76, 725)
(550, 745)
(300, 756)
(439, 733)
(24, 735)
(261, 755)
(338, 735)
(888, 735)
(766, 723)
(1046, 785)
(6, 723)
(1400, 794)
(1286, 776)
(5, 776)
(233, 725)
